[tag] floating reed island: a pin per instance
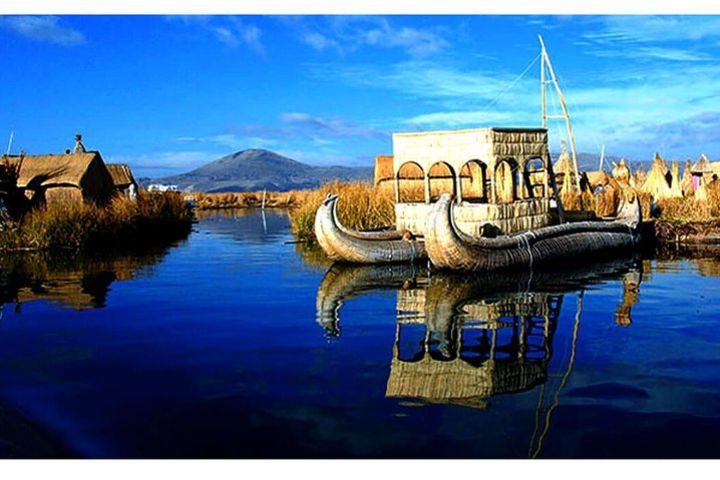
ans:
(75, 201)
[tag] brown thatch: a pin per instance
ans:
(702, 166)
(383, 168)
(450, 381)
(121, 174)
(78, 176)
(658, 180)
(640, 177)
(675, 187)
(621, 172)
(564, 163)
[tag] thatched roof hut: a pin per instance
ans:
(659, 180)
(122, 177)
(640, 177)
(702, 166)
(73, 177)
(621, 172)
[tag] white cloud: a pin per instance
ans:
(232, 31)
(43, 29)
(349, 33)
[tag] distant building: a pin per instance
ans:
(159, 187)
(123, 179)
(75, 177)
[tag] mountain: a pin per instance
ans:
(258, 169)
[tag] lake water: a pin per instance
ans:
(235, 343)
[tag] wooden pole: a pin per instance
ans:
(12, 134)
(542, 85)
(563, 105)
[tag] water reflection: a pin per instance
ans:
(77, 283)
(250, 225)
(462, 339)
(459, 338)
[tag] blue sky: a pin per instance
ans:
(167, 94)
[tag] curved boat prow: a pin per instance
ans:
(449, 247)
(343, 244)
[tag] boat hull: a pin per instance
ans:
(450, 248)
(345, 245)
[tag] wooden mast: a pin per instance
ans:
(545, 60)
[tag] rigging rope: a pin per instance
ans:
(512, 84)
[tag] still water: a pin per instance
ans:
(235, 343)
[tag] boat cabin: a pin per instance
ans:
(498, 177)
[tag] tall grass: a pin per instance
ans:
(361, 207)
(80, 226)
(210, 201)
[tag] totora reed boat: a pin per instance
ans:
(449, 247)
(483, 199)
(345, 245)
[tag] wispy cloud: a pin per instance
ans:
(43, 29)
(333, 127)
(299, 128)
(648, 38)
(231, 31)
(346, 34)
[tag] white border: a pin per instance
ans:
(359, 7)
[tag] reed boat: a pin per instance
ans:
(345, 245)
(449, 247)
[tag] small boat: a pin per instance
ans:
(449, 247)
(344, 245)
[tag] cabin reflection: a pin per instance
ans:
(473, 348)
(77, 284)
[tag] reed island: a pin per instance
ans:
(74, 201)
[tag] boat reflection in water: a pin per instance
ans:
(462, 339)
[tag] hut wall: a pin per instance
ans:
(97, 184)
(457, 147)
(383, 169)
(63, 195)
(471, 217)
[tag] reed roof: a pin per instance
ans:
(702, 165)
(121, 174)
(53, 170)
(657, 182)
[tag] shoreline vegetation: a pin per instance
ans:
(669, 221)
(154, 218)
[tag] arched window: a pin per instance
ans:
(507, 181)
(441, 179)
(534, 178)
(474, 182)
(410, 183)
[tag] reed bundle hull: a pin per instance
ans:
(450, 248)
(345, 245)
